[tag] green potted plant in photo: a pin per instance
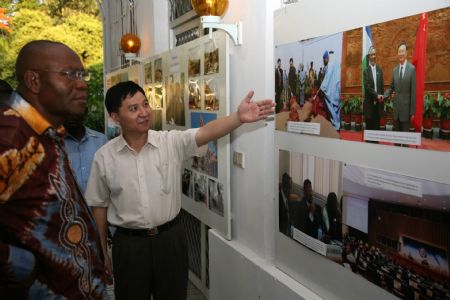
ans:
(443, 101)
(388, 109)
(430, 111)
(356, 110)
(346, 112)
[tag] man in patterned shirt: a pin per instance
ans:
(49, 246)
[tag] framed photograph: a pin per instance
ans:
(194, 62)
(215, 197)
(211, 58)
(148, 73)
(158, 71)
(366, 220)
(211, 91)
(187, 183)
(352, 85)
(207, 164)
(195, 101)
(200, 188)
(175, 110)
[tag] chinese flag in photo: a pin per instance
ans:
(420, 55)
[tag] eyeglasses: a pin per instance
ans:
(72, 75)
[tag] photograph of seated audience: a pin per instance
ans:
(396, 240)
(376, 83)
(404, 248)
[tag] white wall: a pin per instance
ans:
(244, 268)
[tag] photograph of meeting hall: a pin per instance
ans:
(398, 231)
(348, 105)
(393, 230)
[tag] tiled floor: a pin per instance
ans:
(192, 294)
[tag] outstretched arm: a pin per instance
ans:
(248, 111)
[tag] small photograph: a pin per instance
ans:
(211, 94)
(148, 89)
(308, 84)
(211, 58)
(148, 73)
(215, 196)
(158, 96)
(121, 77)
(200, 186)
(195, 102)
(158, 70)
(187, 183)
(207, 164)
(194, 62)
(156, 120)
(175, 112)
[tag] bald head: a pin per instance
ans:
(42, 69)
(37, 55)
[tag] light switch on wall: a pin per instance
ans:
(238, 159)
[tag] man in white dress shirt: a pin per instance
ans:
(135, 185)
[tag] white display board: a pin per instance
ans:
(205, 64)
(311, 19)
(187, 87)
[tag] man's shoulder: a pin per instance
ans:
(109, 147)
(12, 126)
(410, 66)
(95, 133)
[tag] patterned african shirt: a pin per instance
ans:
(49, 245)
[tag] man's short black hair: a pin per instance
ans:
(116, 94)
(291, 60)
(279, 60)
(5, 88)
(306, 183)
(402, 43)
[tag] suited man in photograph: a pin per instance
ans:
(373, 92)
(403, 83)
(278, 86)
(292, 78)
(310, 217)
(283, 203)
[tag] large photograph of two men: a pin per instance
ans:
(386, 83)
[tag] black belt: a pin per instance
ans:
(149, 231)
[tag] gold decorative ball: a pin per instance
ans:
(130, 43)
(210, 7)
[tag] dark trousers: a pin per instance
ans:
(401, 126)
(151, 265)
(373, 123)
(279, 105)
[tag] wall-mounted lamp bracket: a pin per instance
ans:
(132, 57)
(233, 30)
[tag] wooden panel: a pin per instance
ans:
(386, 37)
